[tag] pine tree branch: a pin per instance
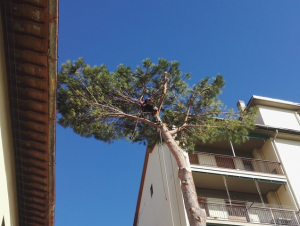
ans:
(119, 95)
(142, 96)
(81, 81)
(199, 126)
(180, 104)
(126, 98)
(163, 92)
(187, 115)
(196, 116)
(156, 91)
(128, 116)
(179, 129)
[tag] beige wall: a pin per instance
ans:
(257, 154)
(268, 151)
(273, 198)
(8, 199)
(281, 197)
(166, 202)
(279, 118)
(284, 196)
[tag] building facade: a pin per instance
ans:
(256, 182)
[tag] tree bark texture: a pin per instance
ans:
(196, 215)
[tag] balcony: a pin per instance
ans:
(235, 163)
(245, 212)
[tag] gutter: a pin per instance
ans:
(277, 130)
(52, 76)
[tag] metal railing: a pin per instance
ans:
(245, 213)
(238, 163)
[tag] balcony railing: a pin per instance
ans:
(238, 163)
(244, 213)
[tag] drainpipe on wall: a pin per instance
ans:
(297, 117)
(276, 135)
(291, 192)
(232, 148)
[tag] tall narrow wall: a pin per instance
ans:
(165, 206)
(8, 195)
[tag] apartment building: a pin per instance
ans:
(256, 182)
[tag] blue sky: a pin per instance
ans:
(254, 44)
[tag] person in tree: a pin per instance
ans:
(149, 108)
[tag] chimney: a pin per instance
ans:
(241, 105)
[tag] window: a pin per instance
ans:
(151, 190)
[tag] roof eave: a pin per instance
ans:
(270, 102)
(52, 62)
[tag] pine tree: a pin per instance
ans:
(106, 105)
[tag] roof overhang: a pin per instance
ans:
(30, 30)
(276, 103)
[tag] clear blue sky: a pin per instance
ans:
(254, 44)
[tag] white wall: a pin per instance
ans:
(278, 118)
(259, 119)
(8, 198)
(167, 202)
(289, 154)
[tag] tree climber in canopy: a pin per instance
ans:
(149, 108)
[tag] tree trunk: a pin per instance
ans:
(196, 215)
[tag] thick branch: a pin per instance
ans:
(163, 92)
(187, 115)
(184, 122)
(141, 98)
(174, 131)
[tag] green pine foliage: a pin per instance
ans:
(98, 103)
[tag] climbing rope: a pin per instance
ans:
(162, 179)
(136, 123)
